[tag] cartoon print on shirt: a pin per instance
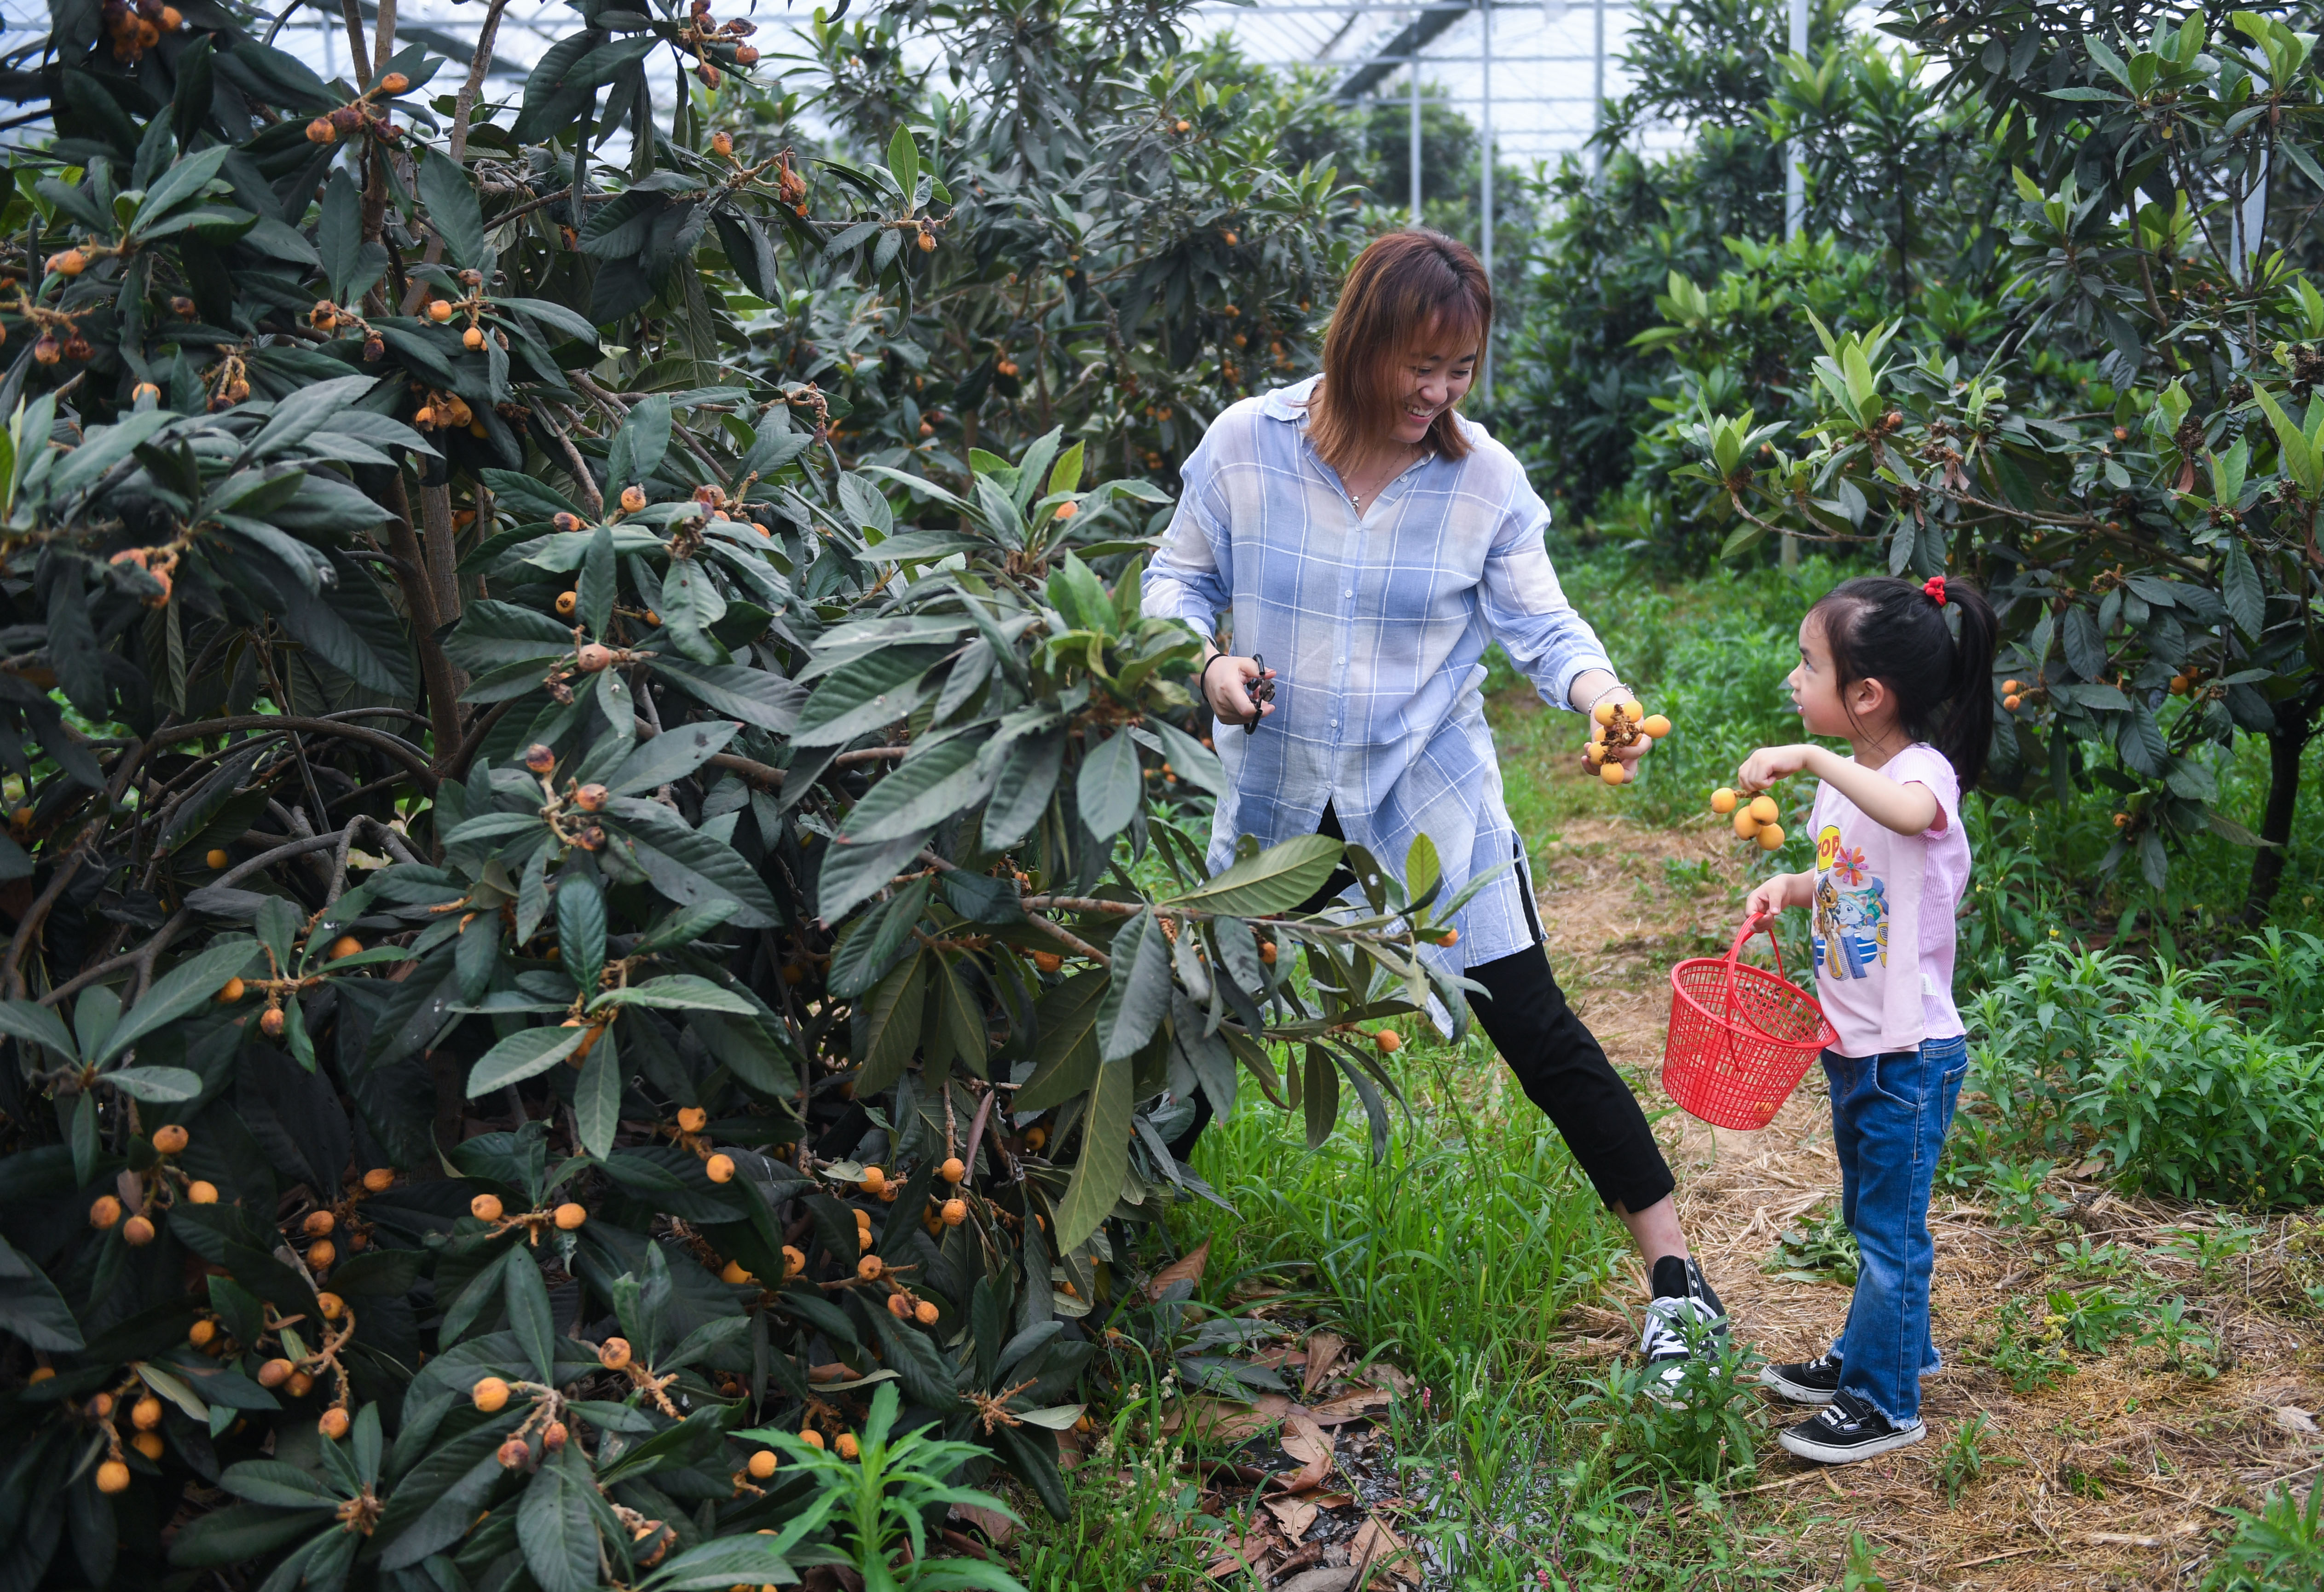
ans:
(1852, 910)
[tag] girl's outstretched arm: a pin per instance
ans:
(1908, 809)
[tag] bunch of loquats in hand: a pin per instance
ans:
(1754, 819)
(1620, 724)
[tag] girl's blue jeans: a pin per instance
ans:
(1889, 1114)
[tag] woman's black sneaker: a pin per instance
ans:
(1684, 1316)
(1847, 1429)
(1805, 1381)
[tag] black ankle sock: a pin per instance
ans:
(1670, 1277)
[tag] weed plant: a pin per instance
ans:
(2090, 1051)
(1964, 1461)
(2024, 1352)
(1698, 1431)
(1137, 1518)
(2278, 1549)
(1823, 1251)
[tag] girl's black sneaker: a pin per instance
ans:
(1847, 1429)
(1805, 1381)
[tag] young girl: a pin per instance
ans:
(1904, 675)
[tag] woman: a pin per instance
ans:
(1371, 541)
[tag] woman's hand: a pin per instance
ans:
(1780, 892)
(1769, 764)
(1226, 688)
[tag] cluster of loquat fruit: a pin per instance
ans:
(359, 116)
(152, 1190)
(136, 28)
(1754, 819)
(1620, 724)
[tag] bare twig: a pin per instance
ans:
(457, 769)
(12, 978)
(464, 104)
(358, 47)
(1068, 939)
(591, 498)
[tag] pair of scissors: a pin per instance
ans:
(1262, 689)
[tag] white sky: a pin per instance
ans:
(1542, 80)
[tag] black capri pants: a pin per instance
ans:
(1558, 1062)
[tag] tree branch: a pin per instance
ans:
(420, 601)
(402, 750)
(591, 498)
(358, 47)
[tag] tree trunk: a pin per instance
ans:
(2287, 744)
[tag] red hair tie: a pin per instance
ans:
(1934, 589)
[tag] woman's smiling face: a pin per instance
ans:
(1433, 377)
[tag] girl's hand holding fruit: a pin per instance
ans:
(1755, 814)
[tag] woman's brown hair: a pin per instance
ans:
(1405, 287)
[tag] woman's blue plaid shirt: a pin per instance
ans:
(1377, 626)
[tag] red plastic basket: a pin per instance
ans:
(1741, 1036)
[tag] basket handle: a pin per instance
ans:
(1753, 923)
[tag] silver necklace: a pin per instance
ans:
(1355, 500)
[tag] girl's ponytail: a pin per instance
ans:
(1932, 646)
(1964, 730)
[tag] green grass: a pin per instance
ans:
(1468, 1242)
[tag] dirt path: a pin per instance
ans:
(2112, 1477)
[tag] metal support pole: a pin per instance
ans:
(1795, 220)
(1795, 188)
(1416, 139)
(1598, 83)
(1485, 142)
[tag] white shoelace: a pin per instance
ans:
(1661, 1339)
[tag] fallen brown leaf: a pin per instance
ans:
(1323, 1352)
(1311, 1445)
(1376, 1548)
(1294, 1515)
(1187, 1268)
(1220, 1421)
(997, 1527)
(1353, 1406)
